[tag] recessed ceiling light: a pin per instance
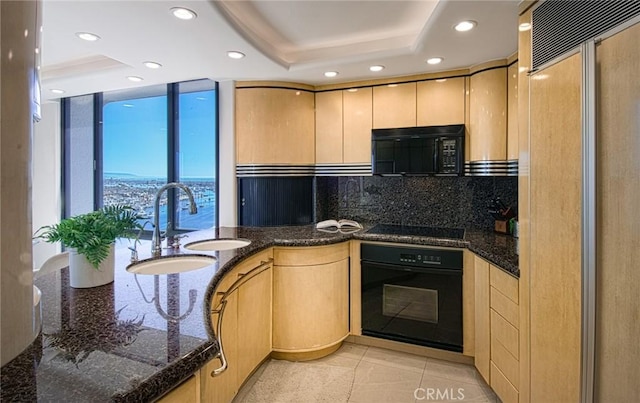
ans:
(352, 90)
(435, 60)
(135, 79)
(376, 68)
(57, 91)
(392, 85)
(183, 13)
(330, 73)
(152, 65)
(234, 54)
(441, 80)
(87, 36)
(464, 26)
(525, 26)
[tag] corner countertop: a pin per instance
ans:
(140, 336)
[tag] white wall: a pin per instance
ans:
(227, 154)
(46, 178)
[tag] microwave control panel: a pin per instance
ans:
(448, 155)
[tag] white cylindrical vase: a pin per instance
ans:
(83, 275)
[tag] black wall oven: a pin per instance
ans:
(412, 295)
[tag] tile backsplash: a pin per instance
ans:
(430, 201)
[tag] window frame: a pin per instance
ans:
(173, 148)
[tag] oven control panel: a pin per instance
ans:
(412, 256)
(422, 258)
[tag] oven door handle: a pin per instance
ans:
(427, 270)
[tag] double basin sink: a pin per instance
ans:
(184, 263)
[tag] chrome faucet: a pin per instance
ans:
(156, 241)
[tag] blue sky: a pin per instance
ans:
(135, 136)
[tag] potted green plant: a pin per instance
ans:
(91, 238)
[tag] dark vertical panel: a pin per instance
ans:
(173, 148)
(98, 157)
(65, 121)
(271, 201)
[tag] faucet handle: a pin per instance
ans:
(176, 240)
(134, 253)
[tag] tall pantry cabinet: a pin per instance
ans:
(583, 232)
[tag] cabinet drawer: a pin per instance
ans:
(505, 307)
(501, 385)
(507, 363)
(504, 283)
(312, 256)
(505, 333)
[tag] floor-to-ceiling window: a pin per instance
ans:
(144, 138)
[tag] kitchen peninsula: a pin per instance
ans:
(141, 336)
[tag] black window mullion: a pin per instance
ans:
(98, 157)
(65, 122)
(173, 149)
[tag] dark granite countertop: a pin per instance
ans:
(140, 336)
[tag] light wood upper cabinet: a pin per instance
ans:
(329, 139)
(440, 102)
(488, 115)
(512, 112)
(357, 121)
(275, 126)
(394, 106)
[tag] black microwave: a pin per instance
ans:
(428, 150)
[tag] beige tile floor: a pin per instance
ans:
(357, 373)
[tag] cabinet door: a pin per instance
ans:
(329, 127)
(394, 105)
(555, 275)
(358, 118)
(310, 306)
(440, 102)
(512, 112)
(187, 392)
(617, 275)
(483, 320)
(488, 115)
(275, 126)
(254, 323)
(223, 388)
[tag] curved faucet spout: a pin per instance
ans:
(156, 241)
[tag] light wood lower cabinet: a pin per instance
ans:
(224, 387)
(497, 341)
(482, 308)
(311, 300)
(254, 322)
(246, 326)
(187, 392)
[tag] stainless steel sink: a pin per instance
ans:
(217, 244)
(171, 265)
